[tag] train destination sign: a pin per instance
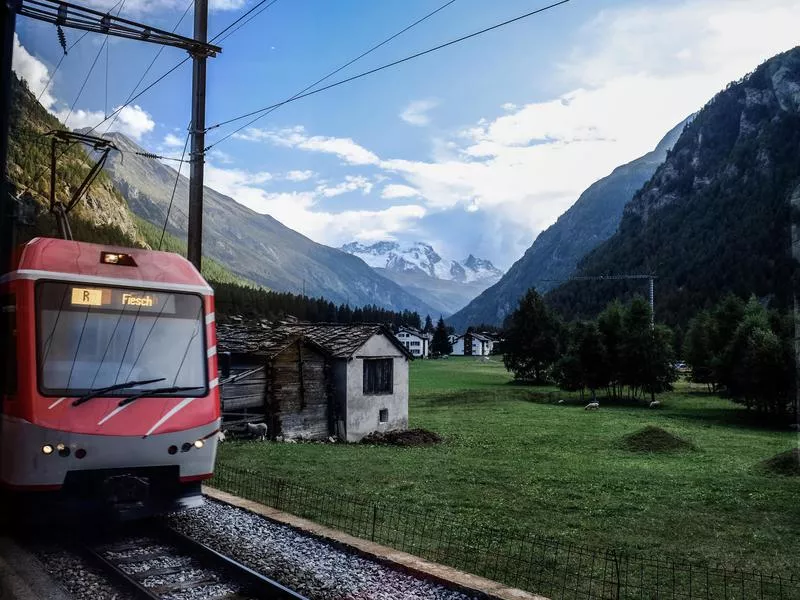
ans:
(125, 299)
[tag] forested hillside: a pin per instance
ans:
(715, 217)
(556, 251)
(103, 217)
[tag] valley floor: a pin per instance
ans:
(514, 458)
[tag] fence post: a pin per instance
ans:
(374, 518)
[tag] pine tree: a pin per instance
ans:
(441, 346)
(531, 344)
(428, 325)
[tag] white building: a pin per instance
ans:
(416, 342)
(472, 344)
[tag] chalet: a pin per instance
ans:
(315, 380)
(472, 344)
(417, 342)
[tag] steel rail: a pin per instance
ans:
(177, 544)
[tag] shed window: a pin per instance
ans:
(378, 376)
(383, 415)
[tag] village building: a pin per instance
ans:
(472, 344)
(417, 342)
(314, 380)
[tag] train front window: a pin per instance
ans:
(91, 337)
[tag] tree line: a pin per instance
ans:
(744, 350)
(620, 353)
(256, 302)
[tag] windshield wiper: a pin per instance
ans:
(165, 390)
(111, 388)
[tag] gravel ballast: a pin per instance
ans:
(305, 564)
(79, 577)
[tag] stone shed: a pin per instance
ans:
(314, 380)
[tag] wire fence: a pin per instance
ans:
(552, 568)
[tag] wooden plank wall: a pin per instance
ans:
(245, 395)
(298, 394)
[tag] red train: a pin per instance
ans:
(111, 399)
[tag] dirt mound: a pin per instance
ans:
(785, 463)
(410, 437)
(655, 439)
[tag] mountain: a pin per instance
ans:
(556, 251)
(444, 283)
(715, 217)
(102, 214)
(254, 246)
(420, 257)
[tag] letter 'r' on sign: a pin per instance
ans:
(87, 297)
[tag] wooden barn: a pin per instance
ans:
(313, 381)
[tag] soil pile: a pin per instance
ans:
(410, 437)
(655, 439)
(785, 463)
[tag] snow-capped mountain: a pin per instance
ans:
(420, 257)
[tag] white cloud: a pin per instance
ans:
(221, 157)
(633, 74)
(133, 121)
(299, 175)
(351, 183)
(295, 137)
(173, 141)
(33, 72)
(394, 190)
(416, 113)
(234, 178)
(297, 210)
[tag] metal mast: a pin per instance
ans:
(197, 164)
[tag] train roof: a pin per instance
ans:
(41, 256)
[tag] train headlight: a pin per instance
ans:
(199, 444)
(186, 447)
(47, 449)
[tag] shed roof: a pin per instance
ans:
(337, 340)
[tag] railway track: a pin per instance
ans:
(163, 564)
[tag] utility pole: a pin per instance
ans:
(66, 14)
(198, 126)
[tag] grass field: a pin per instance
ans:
(511, 458)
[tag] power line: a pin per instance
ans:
(121, 4)
(58, 65)
(377, 69)
(146, 71)
(242, 17)
(344, 66)
(172, 197)
(163, 75)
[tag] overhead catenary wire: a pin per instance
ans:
(144, 74)
(344, 66)
(174, 188)
(265, 110)
(58, 65)
(239, 19)
(121, 4)
(151, 85)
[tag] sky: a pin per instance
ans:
(476, 148)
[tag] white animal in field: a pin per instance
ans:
(220, 436)
(561, 401)
(257, 430)
(655, 404)
(592, 406)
